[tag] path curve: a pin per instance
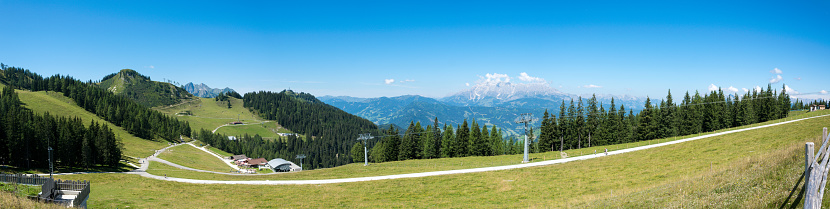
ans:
(460, 171)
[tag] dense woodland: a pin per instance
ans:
(329, 132)
(26, 136)
(133, 117)
(583, 126)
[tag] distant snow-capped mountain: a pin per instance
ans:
(204, 91)
(490, 94)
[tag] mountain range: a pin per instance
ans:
(204, 91)
(493, 103)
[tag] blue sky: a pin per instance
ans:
(429, 48)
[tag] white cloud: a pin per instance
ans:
(152, 67)
(712, 87)
(823, 91)
(591, 86)
(745, 90)
(407, 81)
(526, 78)
(790, 90)
(468, 84)
(757, 89)
(799, 78)
(776, 71)
(389, 81)
(732, 89)
(776, 79)
(496, 78)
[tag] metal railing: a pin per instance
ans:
(815, 172)
(81, 187)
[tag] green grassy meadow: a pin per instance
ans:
(208, 114)
(191, 157)
(59, 105)
(751, 169)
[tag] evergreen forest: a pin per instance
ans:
(137, 119)
(25, 138)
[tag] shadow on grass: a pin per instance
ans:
(798, 198)
(121, 167)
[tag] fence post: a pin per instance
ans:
(809, 152)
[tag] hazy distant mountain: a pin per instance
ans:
(403, 109)
(494, 103)
(204, 91)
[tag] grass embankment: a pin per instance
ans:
(10, 200)
(58, 105)
(751, 169)
(192, 157)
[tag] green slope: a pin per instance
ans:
(141, 89)
(59, 105)
(192, 157)
(751, 169)
(208, 114)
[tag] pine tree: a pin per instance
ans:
(593, 119)
(474, 140)
(644, 127)
(447, 142)
(461, 140)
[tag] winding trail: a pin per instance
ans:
(145, 164)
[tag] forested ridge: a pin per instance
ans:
(582, 126)
(329, 132)
(136, 119)
(26, 136)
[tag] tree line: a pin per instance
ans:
(437, 141)
(138, 120)
(800, 105)
(580, 126)
(26, 136)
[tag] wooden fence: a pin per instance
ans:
(815, 172)
(23, 179)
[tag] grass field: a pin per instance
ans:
(751, 169)
(191, 157)
(208, 114)
(267, 130)
(411, 166)
(59, 105)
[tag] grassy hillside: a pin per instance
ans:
(141, 89)
(751, 169)
(208, 114)
(191, 157)
(57, 104)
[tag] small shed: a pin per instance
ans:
(816, 107)
(239, 157)
(281, 165)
